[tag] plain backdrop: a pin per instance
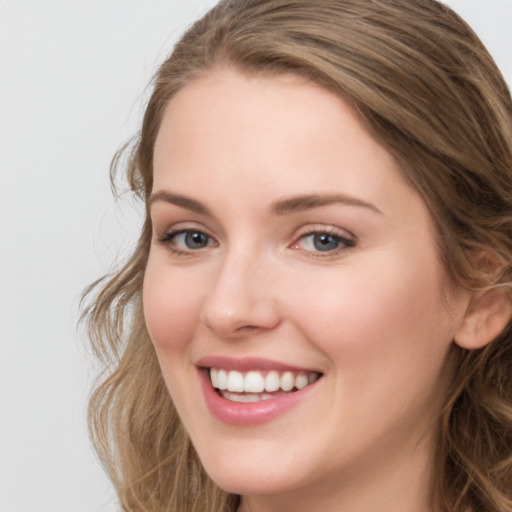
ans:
(73, 78)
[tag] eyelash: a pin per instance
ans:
(168, 240)
(344, 242)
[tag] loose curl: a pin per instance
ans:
(431, 94)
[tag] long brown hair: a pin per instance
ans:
(432, 95)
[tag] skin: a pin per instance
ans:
(375, 316)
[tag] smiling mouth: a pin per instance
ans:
(255, 386)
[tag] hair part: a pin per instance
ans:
(430, 93)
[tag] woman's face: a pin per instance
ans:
(289, 252)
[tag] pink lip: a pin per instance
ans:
(246, 364)
(253, 413)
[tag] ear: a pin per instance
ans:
(486, 317)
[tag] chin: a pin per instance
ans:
(237, 474)
(251, 484)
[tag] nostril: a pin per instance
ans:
(247, 328)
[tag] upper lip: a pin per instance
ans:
(246, 364)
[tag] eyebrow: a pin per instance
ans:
(179, 200)
(280, 207)
(310, 201)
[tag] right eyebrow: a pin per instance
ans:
(179, 200)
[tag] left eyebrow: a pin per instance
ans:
(310, 201)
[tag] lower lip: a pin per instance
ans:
(252, 413)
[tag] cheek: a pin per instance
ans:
(396, 310)
(171, 311)
(387, 336)
(171, 308)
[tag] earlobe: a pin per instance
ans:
(487, 316)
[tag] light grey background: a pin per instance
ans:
(73, 78)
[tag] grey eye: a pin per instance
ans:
(325, 242)
(192, 239)
(188, 240)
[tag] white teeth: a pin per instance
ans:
(246, 398)
(235, 382)
(214, 377)
(222, 380)
(272, 382)
(301, 381)
(219, 378)
(256, 382)
(287, 381)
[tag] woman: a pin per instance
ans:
(316, 316)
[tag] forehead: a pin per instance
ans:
(245, 121)
(277, 136)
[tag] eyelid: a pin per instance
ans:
(348, 239)
(159, 232)
(165, 237)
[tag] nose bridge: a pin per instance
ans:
(241, 297)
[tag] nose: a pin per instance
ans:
(241, 299)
